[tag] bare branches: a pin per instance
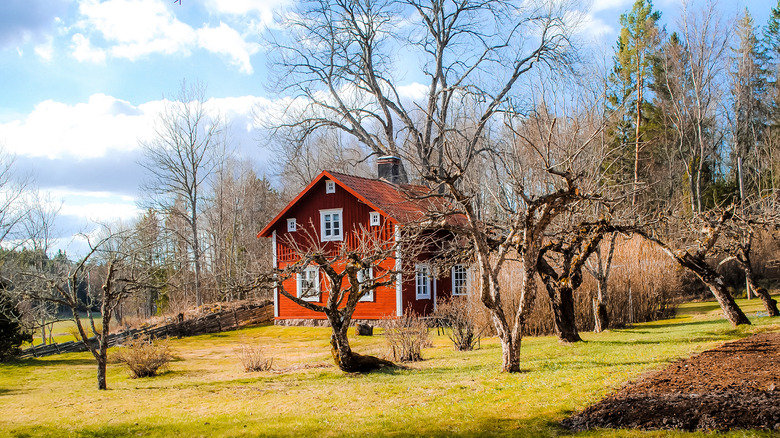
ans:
(181, 160)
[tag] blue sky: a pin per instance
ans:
(81, 82)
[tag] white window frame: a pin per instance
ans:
(313, 273)
(330, 186)
(422, 281)
(337, 234)
(361, 277)
(292, 225)
(374, 219)
(460, 288)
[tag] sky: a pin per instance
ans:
(83, 81)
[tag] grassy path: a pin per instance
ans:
(206, 393)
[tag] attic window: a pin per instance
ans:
(373, 219)
(291, 225)
(330, 186)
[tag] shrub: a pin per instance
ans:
(144, 357)
(74, 331)
(406, 336)
(12, 333)
(460, 320)
(253, 358)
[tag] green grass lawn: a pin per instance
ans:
(450, 393)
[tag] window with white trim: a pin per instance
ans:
(460, 280)
(330, 186)
(423, 282)
(309, 284)
(331, 223)
(363, 276)
(291, 224)
(373, 219)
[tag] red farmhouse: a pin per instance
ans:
(335, 204)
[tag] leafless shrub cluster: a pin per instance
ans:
(144, 357)
(253, 358)
(460, 317)
(406, 336)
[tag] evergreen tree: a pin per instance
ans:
(12, 333)
(636, 46)
(748, 92)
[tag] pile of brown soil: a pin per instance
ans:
(735, 386)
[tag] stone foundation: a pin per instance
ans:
(320, 322)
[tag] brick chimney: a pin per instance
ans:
(389, 168)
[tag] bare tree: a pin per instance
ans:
(600, 272)
(239, 201)
(353, 268)
(180, 160)
(13, 188)
(689, 242)
(121, 271)
(705, 44)
(338, 61)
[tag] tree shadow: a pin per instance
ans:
(48, 362)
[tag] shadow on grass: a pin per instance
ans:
(670, 323)
(33, 362)
(486, 427)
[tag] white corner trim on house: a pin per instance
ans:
(399, 289)
(275, 265)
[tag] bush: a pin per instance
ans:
(12, 333)
(144, 357)
(406, 336)
(73, 330)
(460, 320)
(253, 358)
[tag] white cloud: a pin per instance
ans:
(225, 40)
(413, 91)
(104, 212)
(135, 28)
(105, 124)
(604, 5)
(263, 9)
(84, 52)
(589, 25)
(46, 50)
(84, 130)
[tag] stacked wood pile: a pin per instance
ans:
(212, 320)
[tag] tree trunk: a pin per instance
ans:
(347, 360)
(562, 299)
(770, 304)
(743, 259)
(600, 315)
(101, 372)
(510, 354)
(196, 260)
(637, 130)
(339, 342)
(714, 282)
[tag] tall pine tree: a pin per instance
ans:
(748, 92)
(631, 77)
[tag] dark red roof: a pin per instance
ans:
(402, 203)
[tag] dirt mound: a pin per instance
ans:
(735, 386)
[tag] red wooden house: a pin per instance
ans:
(330, 208)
